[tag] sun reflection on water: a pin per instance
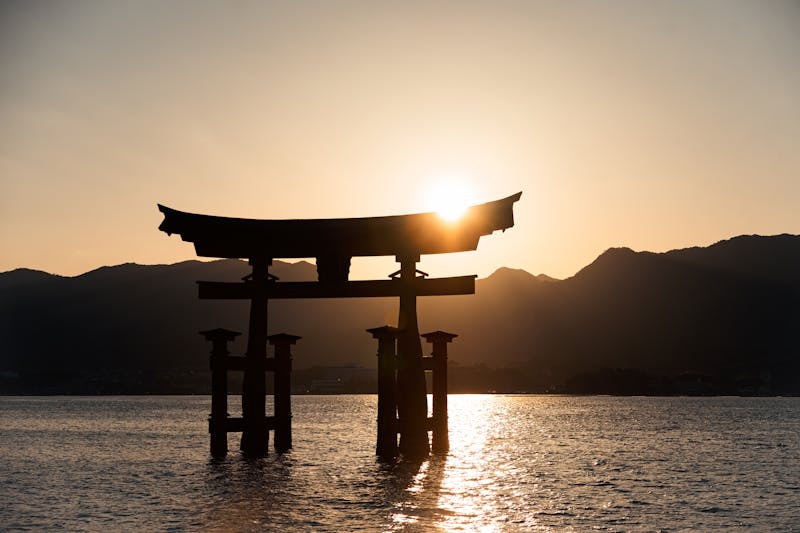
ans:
(471, 487)
(464, 490)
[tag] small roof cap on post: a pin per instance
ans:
(383, 332)
(283, 338)
(219, 334)
(439, 336)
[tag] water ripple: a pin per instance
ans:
(517, 463)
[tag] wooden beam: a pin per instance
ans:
(215, 290)
(420, 233)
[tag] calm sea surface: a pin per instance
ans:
(517, 463)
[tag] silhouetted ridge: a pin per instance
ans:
(24, 276)
(772, 259)
(506, 275)
(618, 260)
(630, 322)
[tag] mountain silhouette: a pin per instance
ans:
(723, 318)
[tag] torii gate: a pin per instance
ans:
(334, 242)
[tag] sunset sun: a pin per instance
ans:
(450, 200)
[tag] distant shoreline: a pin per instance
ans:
(143, 394)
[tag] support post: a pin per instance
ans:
(283, 389)
(412, 402)
(439, 339)
(255, 435)
(219, 339)
(386, 443)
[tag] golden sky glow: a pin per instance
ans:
(649, 125)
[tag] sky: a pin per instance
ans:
(651, 125)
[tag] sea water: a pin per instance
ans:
(516, 463)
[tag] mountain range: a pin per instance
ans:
(717, 319)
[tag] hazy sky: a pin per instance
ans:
(653, 125)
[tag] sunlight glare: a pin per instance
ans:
(451, 199)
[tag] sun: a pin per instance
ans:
(450, 200)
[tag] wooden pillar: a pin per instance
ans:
(386, 443)
(283, 389)
(255, 435)
(440, 339)
(217, 422)
(412, 403)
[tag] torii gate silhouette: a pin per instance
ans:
(334, 242)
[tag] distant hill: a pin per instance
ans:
(768, 259)
(724, 318)
(24, 276)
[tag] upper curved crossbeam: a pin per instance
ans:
(399, 235)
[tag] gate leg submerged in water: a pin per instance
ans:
(412, 402)
(439, 339)
(386, 442)
(255, 434)
(217, 422)
(283, 391)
